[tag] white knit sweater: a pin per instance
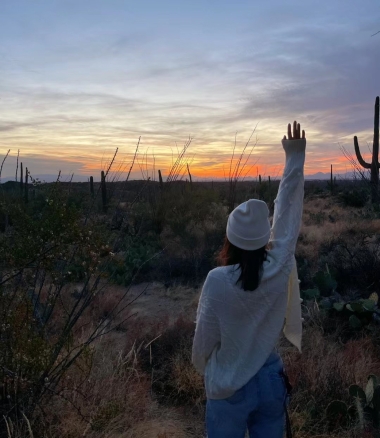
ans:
(236, 330)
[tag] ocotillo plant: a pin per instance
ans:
(104, 192)
(92, 185)
(26, 188)
(374, 165)
(191, 180)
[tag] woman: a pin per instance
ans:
(242, 310)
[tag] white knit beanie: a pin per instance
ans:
(248, 225)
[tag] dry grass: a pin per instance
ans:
(323, 373)
(165, 425)
(325, 221)
(115, 399)
(113, 392)
(118, 401)
(186, 379)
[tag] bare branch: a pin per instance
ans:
(1, 168)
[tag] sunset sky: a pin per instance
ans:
(79, 78)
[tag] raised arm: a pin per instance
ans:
(289, 202)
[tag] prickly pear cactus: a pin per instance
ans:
(355, 322)
(367, 402)
(357, 392)
(360, 401)
(376, 406)
(370, 387)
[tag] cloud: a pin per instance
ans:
(78, 96)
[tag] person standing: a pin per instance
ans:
(243, 307)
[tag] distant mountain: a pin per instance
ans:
(326, 176)
(318, 175)
(313, 177)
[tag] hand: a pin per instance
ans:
(296, 132)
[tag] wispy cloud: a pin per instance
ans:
(76, 86)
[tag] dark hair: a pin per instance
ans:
(249, 261)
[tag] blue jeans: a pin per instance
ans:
(258, 406)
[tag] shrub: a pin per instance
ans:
(167, 358)
(43, 251)
(354, 198)
(317, 383)
(354, 260)
(135, 259)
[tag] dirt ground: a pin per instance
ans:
(155, 301)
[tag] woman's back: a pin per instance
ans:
(247, 323)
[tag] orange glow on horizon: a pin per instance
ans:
(206, 160)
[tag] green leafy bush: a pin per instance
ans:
(39, 253)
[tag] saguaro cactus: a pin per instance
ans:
(331, 180)
(92, 185)
(160, 179)
(104, 192)
(374, 165)
(21, 179)
(26, 188)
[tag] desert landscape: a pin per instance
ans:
(99, 295)
(131, 134)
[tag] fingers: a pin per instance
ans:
(296, 131)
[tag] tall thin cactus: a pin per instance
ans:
(26, 187)
(21, 179)
(331, 180)
(104, 192)
(160, 179)
(18, 155)
(92, 185)
(374, 165)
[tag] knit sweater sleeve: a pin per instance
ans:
(207, 331)
(288, 205)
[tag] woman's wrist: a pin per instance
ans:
(298, 145)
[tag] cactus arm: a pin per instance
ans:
(375, 155)
(359, 155)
